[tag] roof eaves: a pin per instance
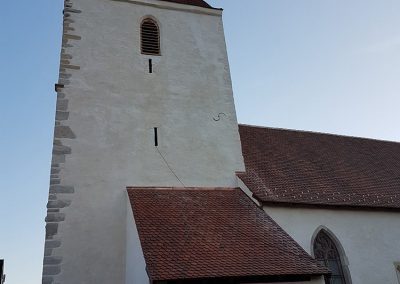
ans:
(275, 203)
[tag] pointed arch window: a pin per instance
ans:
(397, 266)
(150, 37)
(327, 253)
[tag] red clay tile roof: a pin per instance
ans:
(199, 3)
(286, 166)
(209, 233)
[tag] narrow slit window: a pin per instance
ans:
(150, 66)
(150, 37)
(156, 136)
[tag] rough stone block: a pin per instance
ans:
(48, 252)
(70, 21)
(51, 270)
(60, 95)
(64, 132)
(52, 260)
(65, 61)
(65, 75)
(69, 66)
(62, 115)
(62, 104)
(52, 244)
(47, 280)
(52, 210)
(73, 37)
(51, 229)
(64, 82)
(55, 181)
(55, 217)
(55, 171)
(66, 56)
(70, 10)
(52, 197)
(66, 44)
(56, 204)
(58, 159)
(68, 29)
(61, 150)
(61, 189)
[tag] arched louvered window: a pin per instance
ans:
(150, 37)
(327, 253)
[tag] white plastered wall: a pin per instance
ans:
(135, 262)
(371, 240)
(114, 104)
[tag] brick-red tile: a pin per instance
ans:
(208, 233)
(298, 167)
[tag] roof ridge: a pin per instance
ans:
(319, 133)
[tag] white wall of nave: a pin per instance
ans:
(370, 239)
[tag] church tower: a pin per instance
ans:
(144, 98)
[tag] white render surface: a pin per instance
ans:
(371, 240)
(114, 104)
(135, 263)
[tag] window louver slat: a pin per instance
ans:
(150, 37)
(155, 39)
(150, 34)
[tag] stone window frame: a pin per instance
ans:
(157, 23)
(343, 258)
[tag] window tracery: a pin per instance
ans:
(326, 252)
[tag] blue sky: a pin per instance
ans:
(329, 66)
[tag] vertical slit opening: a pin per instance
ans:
(150, 66)
(156, 136)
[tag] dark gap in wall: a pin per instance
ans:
(156, 136)
(150, 66)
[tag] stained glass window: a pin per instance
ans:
(326, 252)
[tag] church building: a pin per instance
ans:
(154, 181)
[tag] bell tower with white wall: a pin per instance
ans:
(144, 98)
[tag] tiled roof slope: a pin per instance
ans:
(199, 3)
(210, 233)
(286, 166)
